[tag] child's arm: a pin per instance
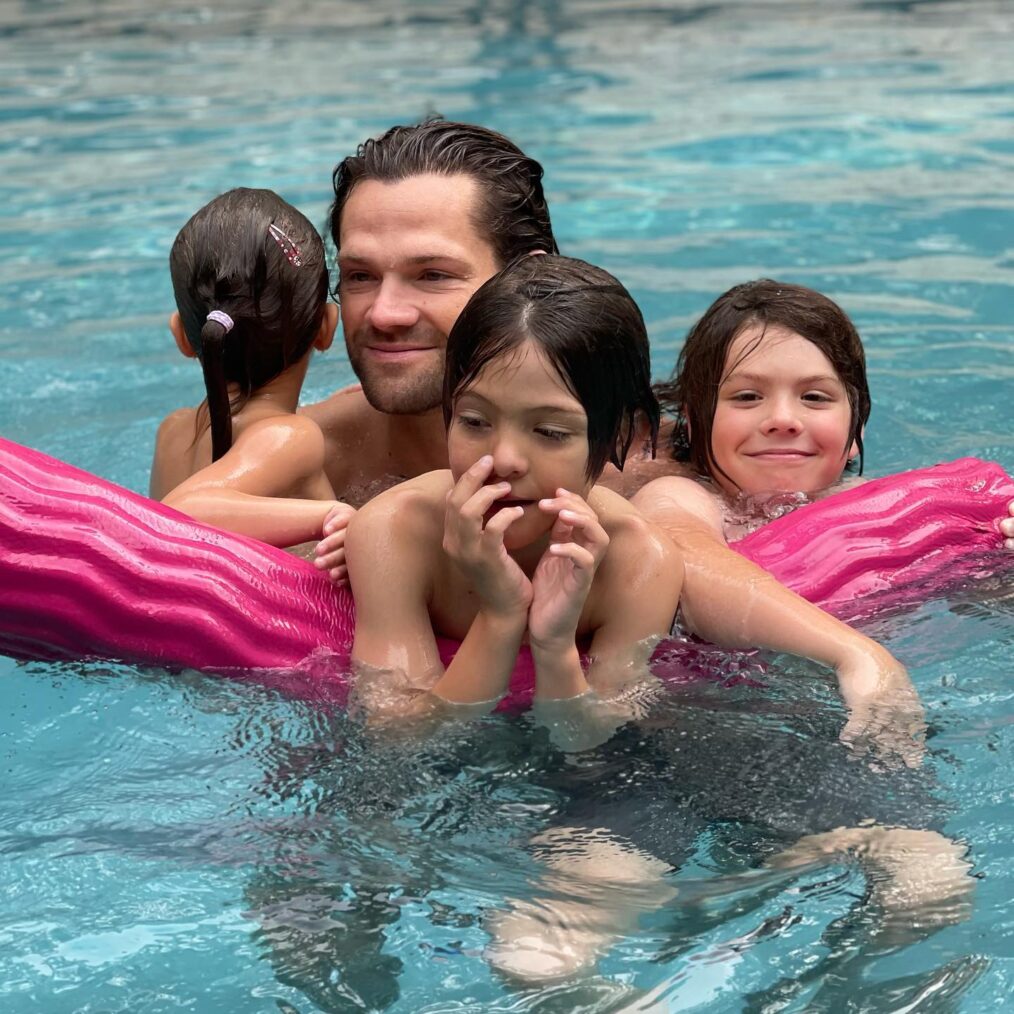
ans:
(732, 602)
(560, 588)
(1007, 527)
(246, 490)
(392, 548)
(637, 579)
(642, 583)
(637, 588)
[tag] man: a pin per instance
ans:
(422, 217)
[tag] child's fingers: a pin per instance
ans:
(1007, 527)
(339, 575)
(569, 504)
(332, 560)
(500, 522)
(479, 503)
(470, 482)
(330, 551)
(587, 525)
(581, 557)
(337, 518)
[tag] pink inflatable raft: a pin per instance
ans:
(90, 570)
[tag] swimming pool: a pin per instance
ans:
(176, 842)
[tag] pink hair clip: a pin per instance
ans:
(289, 248)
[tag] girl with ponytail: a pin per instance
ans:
(251, 287)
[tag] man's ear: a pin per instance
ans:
(182, 341)
(328, 325)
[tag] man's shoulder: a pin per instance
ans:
(343, 412)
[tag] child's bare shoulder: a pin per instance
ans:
(400, 530)
(668, 499)
(416, 507)
(174, 452)
(174, 427)
(641, 564)
(284, 434)
(630, 532)
(286, 450)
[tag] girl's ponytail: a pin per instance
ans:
(213, 334)
(250, 281)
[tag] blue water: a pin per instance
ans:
(183, 843)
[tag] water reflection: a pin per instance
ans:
(488, 829)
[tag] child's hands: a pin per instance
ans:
(476, 544)
(330, 551)
(1007, 527)
(564, 575)
(886, 718)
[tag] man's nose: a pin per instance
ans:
(393, 307)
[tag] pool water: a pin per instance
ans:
(174, 841)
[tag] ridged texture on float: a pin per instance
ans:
(91, 570)
(891, 542)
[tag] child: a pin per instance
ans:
(251, 288)
(547, 379)
(547, 376)
(769, 397)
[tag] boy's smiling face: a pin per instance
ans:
(782, 418)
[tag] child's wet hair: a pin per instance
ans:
(691, 394)
(254, 257)
(586, 325)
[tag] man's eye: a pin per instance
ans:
(435, 276)
(353, 277)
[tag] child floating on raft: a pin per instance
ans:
(251, 288)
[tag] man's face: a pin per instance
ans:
(410, 259)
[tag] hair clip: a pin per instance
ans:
(289, 248)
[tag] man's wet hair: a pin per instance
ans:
(511, 211)
(691, 394)
(588, 328)
(253, 257)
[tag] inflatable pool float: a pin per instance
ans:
(91, 570)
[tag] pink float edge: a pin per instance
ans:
(89, 569)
